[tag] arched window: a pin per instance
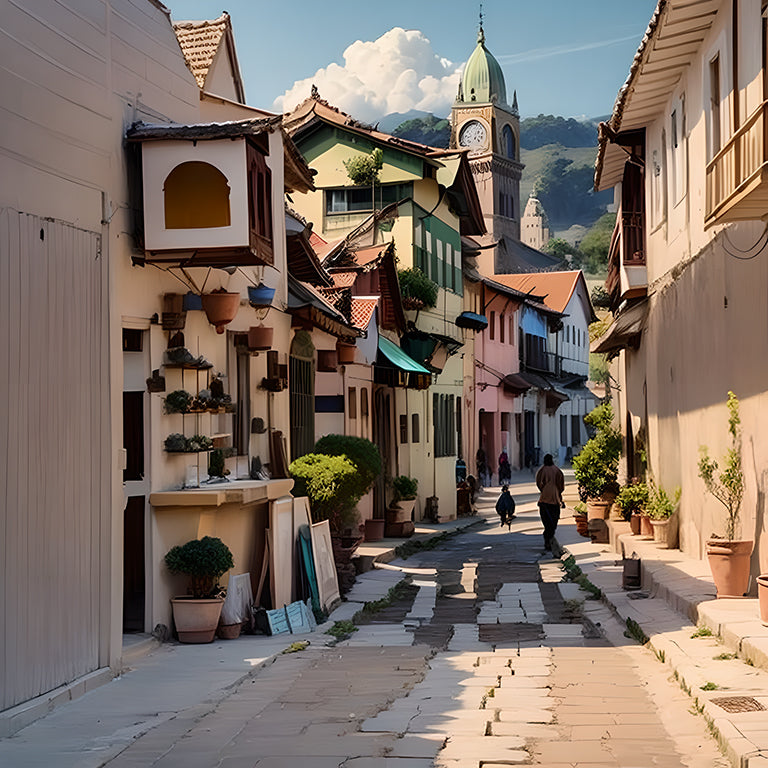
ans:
(509, 143)
(196, 197)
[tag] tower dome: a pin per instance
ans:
(483, 80)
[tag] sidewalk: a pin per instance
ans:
(716, 649)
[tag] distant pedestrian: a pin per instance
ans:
(505, 506)
(551, 483)
(482, 468)
(505, 470)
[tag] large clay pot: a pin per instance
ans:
(374, 529)
(729, 563)
(597, 509)
(661, 532)
(196, 620)
(220, 308)
(762, 597)
(260, 295)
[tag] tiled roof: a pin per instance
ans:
(200, 41)
(362, 310)
(556, 288)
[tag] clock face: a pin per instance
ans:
(473, 135)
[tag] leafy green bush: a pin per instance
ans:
(416, 288)
(204, 560)
(332, 484)
(178, 401)
(660, 504)
(405, 487)
(632, 498)
(596, 466)
(728, 486)
(364, 454)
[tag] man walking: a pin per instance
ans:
(551, 483)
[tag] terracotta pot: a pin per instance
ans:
(582, 525)
(374, 529)
(634, 523)
(196, 620)
(221, 308)
(762, 597)
(346, 353)
(260, 337)
(729, 563)
(404, 509)
(661, 532)
(646, 529)
(597, 509)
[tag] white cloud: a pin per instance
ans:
(398, 72)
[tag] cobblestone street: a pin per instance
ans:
(481, 662)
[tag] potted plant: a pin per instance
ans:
(260, 337)
(260, 295)
(178, 401)
(596, 466)
(580, 518)
(632, 502)
(366, 458)
(417, 290)
(220, 307)
(661, 507)
(204, 561)
(728, 557)
(400, 513)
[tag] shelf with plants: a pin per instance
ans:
(178, 443)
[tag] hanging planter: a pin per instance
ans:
(260, 295)
(192, 302)
(220, 308)
(346, 353)
(260, 337)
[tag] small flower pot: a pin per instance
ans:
(192, 302)
(582, 525)
(260, 295)
(646, 529)
(634, 524)
(374, 529)
(661, 532)
(260, 337)
(598, 509)
(346, 353)
(220, 308)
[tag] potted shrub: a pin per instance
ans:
(220, 307)
(661, 507)
(417, 290)
(728, 557)
(632, 502)
(366, 458)
(596, 466)
(400, 513)
(580, 518)
(204, 561)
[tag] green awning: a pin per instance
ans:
(398, 358)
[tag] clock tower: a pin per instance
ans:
(483, 122)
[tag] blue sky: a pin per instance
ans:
(565, 57)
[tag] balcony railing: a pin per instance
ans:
(737, 176)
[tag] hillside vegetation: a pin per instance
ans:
(559, 158)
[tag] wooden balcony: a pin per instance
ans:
(737, 176)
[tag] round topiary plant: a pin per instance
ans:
(204, 560)
(332, 484)
(364, 454)
(417, 290)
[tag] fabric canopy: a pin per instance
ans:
(624, 331)
(398, 358)
(472, 320)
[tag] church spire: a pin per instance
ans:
(481, 31)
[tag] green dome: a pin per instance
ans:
(483, 80)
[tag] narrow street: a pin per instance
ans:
(480, 662)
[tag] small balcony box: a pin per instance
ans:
(206, 192)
